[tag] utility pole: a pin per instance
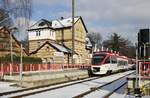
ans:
(11, 54)
(73, 34)
(11, 30)
(21, 66)
(137, 88)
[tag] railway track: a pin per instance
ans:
(108, 94)
(116, 89)
(44, 88)
(36, 90)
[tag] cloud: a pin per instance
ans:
(125, 17)
(52, 2)
(21, 23)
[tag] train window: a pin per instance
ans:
(113, 60)
(120, 63)
(97, 59)
(107, 60)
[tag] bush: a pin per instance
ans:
(16, 59)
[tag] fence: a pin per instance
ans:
(8, 68)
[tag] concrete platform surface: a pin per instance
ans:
(30, 79)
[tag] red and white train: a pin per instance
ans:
(105, 62)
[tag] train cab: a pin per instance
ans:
(105, 62)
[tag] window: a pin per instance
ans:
(68, 20)
(47, 48)
(121, 63)
(38, 33)
(38, 44)
(107, 60)
(97, 59)
(113, 59)
(50, 33)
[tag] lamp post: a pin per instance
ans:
(11, 46)
(72, 58)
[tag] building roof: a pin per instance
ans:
(61, 48)
(13, 37)
(56, 24)
(56, 46)
(64, 22)
(1, 27)
(41, 24)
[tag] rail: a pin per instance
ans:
(40, 91)
(99, 87)
(109, 94)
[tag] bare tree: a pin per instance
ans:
(5, 19)
(19, 11)
(95, 38)
(119, 44)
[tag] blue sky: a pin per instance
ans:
(50, 9)
(124, 17)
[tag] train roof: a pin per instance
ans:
(111, 54)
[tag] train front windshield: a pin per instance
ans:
(98, 58)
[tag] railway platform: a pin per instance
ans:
(40, 78)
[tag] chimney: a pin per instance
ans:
(61, 18)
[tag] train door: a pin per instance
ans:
(107, 63)
(120, 63)
(113, 64)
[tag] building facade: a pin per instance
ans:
(64, 35)
(9, 44)
(39, 33)
(57, 34)
(42, 43)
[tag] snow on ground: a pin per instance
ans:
(7, 86)
(121, 93)
(73, 90)
(106, 90)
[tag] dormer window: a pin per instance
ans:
(38, 33)
(42, 24)
(69, 21)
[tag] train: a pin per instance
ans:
(105, 62)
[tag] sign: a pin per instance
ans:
(59, 54)
(75, 56)
(90, 55)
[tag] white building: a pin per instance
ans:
(39, 33)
